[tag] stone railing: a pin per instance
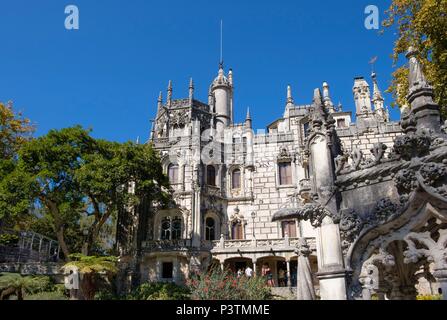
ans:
(273, 138)
(273, 244)
(167, 245)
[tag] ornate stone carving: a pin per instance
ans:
(384, 211)
(378, 151)
(357, 158)
(340, 162)
(350, 226)
(413, 145)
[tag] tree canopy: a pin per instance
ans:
(75, 184)
(421, 24)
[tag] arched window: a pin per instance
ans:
(236, 179)
(237, 230)
(171, 228)
(210, 229)
(173, 173)
(211, 175)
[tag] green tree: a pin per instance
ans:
(118, 176)
(91, 268)
(421, 24)
(15, 284)
(72, 186)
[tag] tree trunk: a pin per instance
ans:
(88, 288)
(58, 226)
(19, 294)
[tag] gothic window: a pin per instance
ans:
(237, 230)
(285, 173)
(236, 179)
(211, 176)
(289, 228)
(341, 123)
(167, 270)
(173, 173)
(171, 228)
(166, 229)
(210, 229)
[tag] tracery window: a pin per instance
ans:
(210, 229)
(171, 228)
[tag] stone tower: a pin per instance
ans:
(221, 92)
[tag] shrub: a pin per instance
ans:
(52, 295)
(7, 239)
(160, 291)
(224, 285)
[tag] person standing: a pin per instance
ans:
(249, 272)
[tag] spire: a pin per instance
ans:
(290, 102)
(327, 98)
(169, 99)
(191, 90)
(377, 94)
(248, 122)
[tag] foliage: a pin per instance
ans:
(160, 291)
(91, 268)
(71, 186)
(423, 25)
(14, 283)
(92, 264)
(15, 130)
(429, 297)
(7, 239)
(47, 295)
(224, 285)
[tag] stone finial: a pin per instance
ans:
(416, 78)
(317, 97)
(169, 98)
(191, 89)
(327, 98)
(378, 99)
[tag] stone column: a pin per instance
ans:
(222, 265)
(331, 272)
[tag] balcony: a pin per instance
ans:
(228, 246)
(258, 245)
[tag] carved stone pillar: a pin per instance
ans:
(441, 277)
(331, 271)
(289, 282)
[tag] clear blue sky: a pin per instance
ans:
(107, 75)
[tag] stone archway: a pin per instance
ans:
(384, 259)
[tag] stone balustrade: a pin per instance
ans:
(284, 244)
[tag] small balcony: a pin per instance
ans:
(262, 245)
